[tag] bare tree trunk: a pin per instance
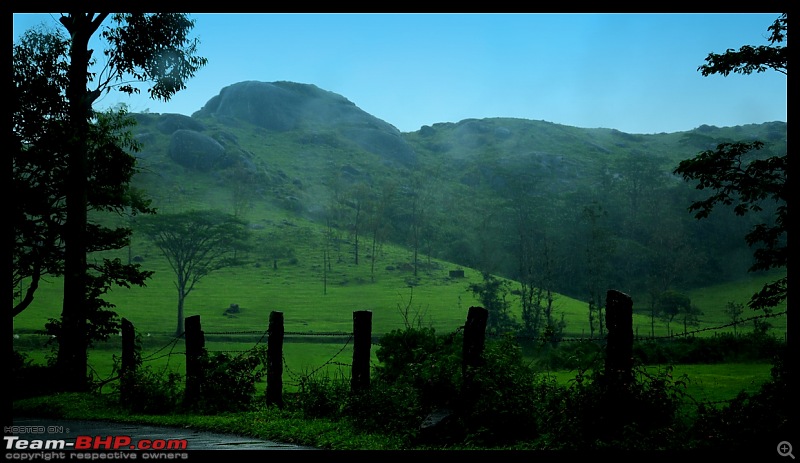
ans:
(181, 298)
(73, 342)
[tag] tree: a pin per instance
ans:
(415, 199)
(640, 176)
(599, 247)
(737, 175)
(243, 186)
(523, 215)
(40, 180)
(379, 224)
(195, 244)
(38, 107)
(153, 48)
(672, 304)
(356, 202)
(492, 293)
(669, 258)
(690, 316)
(734, 310)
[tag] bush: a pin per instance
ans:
(567, 355)
(322, 397)
(229, 382)
(423, 361)
(594, 413)
(151, 392)
(29, 379)
(389, 408)
(496, 402)
(501, 400)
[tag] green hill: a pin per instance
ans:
(294, 160)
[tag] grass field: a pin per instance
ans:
(332, 359)
(714, 383)
(315, 302)
(312, 301)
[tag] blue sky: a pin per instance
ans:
(632, 72)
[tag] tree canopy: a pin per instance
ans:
(37, 108)
(195, 244)
(70, 160)
(739, 176)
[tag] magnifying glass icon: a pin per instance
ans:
(785, 449)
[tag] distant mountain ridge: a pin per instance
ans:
(305, 150)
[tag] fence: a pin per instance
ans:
(474, 337)
(619, 341)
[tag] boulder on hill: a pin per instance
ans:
(195, 150)
(169, 123)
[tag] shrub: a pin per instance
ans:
(501, 402)
(152, 392)
(390, 408)
(229, 382)
(423, 361)
(594, 413)
(144, 390)
(725, 347)
(496, 402)
(29, 379)
(322, 397)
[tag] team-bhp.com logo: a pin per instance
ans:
(94, 443)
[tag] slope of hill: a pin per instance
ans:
(453, 190)
(298, 162)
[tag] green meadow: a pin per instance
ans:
(317, 302)
(714, 383)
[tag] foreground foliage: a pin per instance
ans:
(420, 398)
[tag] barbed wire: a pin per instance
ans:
(728, 325)
(285, 333)
(543, 339)
(313, 333)
(172, 343)
(233, 332)
(556, 339)
(300, 379)
(330, 361)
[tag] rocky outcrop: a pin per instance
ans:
(285, 106)
(169, 123)
(195, 150)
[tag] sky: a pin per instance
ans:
(634, 72)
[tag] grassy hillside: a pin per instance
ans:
(296, 285)
(290, 178)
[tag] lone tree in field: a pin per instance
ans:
(492, 294)
(195, 243)
(88, 160)
(737, 175)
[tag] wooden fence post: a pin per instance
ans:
(619, 350)
(474, 342)
(129, 361)
(474, 337)
(195, 348)
(362, 343)
(275, 359)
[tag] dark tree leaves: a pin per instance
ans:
(154, 48)
(749, 59)
(737, 176)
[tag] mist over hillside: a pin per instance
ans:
(560, 207)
